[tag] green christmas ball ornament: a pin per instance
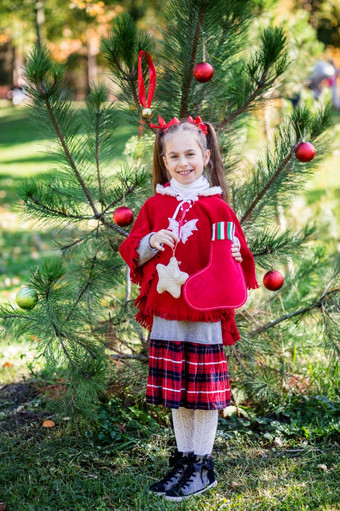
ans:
(26, 298)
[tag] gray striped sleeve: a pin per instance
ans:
(145, 251)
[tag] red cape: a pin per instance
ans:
(192, 255)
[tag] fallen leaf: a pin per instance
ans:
(278, 441)
(48, 424)
(229, 411)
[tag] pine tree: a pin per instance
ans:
(84, 317)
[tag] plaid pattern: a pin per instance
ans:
(187, 374)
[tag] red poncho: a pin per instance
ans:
(193, 255)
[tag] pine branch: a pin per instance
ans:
(76, 242)
(135, 98)
(87, 285)
(315, 305)
(67, 355)
(270, 62)
(56, 212)
(60, 336)
(114, 227)
(97, 160)
(130, 78)
(247, 103)
(121, 50)
(189, 75)
(82, 343)
(16, 316)
(129, 191)
(55, 327)
(285, 162)
(124, 356)
(45, 96)
(278, 174)
(123, 360)
(266, 242)
(329, 332)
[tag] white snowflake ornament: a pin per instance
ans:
(171, 278)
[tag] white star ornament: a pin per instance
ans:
(171, 278)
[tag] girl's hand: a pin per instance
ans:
(235, 252)
(163, 237)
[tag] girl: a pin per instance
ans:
(169, 241)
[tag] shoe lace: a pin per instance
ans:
(170, 476)
(187, 474)
(193, 467)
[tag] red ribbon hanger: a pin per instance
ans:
(152, 79)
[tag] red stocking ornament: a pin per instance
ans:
(221, 284)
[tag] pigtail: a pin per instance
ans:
(215, 164)
(159, 171)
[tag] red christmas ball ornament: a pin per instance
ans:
(273, 280)
(123, 216)
(305, 151)
(203, 72)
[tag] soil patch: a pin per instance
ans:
(18, 407)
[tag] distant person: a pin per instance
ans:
(333, 85)
(322, 71)
(17, 95)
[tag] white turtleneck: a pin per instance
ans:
(191, 190)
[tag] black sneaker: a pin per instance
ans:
(197, 478)
(179, 462)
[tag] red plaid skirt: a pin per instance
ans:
(187, 374)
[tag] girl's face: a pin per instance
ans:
(184, 158)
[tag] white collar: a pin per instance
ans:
(199, 188)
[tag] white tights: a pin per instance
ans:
(195, 430)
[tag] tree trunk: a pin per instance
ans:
(39, 19)
(18, 66)
(92, 50)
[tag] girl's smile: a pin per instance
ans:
(184, 158)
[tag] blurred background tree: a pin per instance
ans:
(72, 30)
(324, 16)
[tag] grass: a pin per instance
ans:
(42, 469)
(47, 469)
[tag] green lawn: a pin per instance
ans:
(48, 469)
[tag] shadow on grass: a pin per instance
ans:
(31, 159)
(19, 128)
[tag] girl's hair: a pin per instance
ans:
(215, 168)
